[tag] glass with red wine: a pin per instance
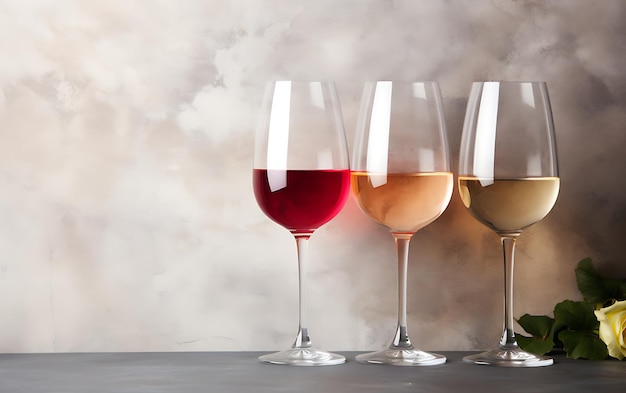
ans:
(301, 180)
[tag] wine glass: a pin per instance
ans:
(301, 181)
(508, 180)
(401, 179)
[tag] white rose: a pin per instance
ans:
(613, 328)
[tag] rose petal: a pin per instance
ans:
(613, 328)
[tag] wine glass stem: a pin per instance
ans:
(508, 340)
(302, 339)
(401, 338)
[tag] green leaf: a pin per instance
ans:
(534, 345)
(595, 288)
(557, 328)
(538, 326)
(583, 344)
(590, 283)
(576, 315)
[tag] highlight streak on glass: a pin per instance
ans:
(426, 158)
(528, 96)
(378, 139)
(485, 152)
(317, 95)
(278, 135)
(419, 91)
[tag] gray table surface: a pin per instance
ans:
(242, 372)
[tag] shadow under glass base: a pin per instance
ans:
(402, 357)
(509, 358)
(303, 357)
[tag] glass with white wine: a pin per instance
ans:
(508, 180)
(401, 179)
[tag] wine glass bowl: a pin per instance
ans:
(509, 205)
(401, 180)
(508, 180)
(301, 180)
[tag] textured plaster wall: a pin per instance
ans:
(127, 219)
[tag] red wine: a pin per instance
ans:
(301, 200)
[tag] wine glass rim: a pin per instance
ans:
(302, 81)
(504, 81)
(403, 81)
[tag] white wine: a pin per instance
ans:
(509, 205)
(403, 202)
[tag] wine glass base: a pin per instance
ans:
(402, 357)
(303, 357)
(509, 358)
